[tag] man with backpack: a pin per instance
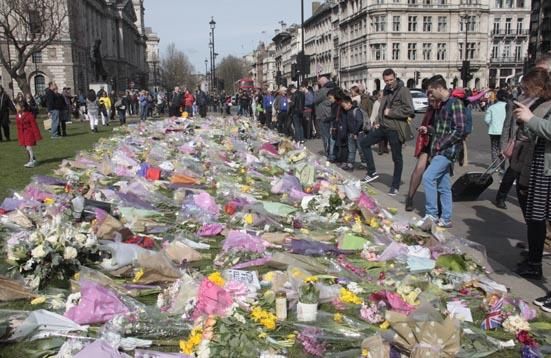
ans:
(446, 141)
(354, 122)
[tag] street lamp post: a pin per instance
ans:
(206, 70)
(212, 24)
(465, 68)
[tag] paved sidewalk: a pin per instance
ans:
(480, 221)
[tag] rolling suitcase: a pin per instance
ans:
(470, 185)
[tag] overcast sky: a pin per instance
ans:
(240, 24)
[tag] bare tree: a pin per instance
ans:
(230, 70)
(28, 27)
(176, 69)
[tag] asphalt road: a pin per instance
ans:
(479, 221)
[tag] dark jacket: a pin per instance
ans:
(354, 120)
(323, 106)
(50, 100)
(296, 105)
(59, 102)
(339, 130)
(399, 101)
(176, 100)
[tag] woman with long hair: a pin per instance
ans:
(93, 109)
(537, 124)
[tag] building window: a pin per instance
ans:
(379, 23)
(471, 23)
(470, 50)
(39, 85)
(497, 21)
(441, 2)
(442, 24)
(427, 51)
(427, 2)
(378, 52)
(520, 4)
(519, 26)
(518, 53)
(442, 52)
(412, 51)
(495, 50)
(395, 23)
(395, 51)
(35, 23)
(412, 2)
(507, 50)
(499, 4)
(509, 4)
(412, 23)
(37, 57)
(427, 23)
(508, 26)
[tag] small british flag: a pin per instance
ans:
(493, 320)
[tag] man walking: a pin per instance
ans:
(324, 113)
(447, 133)
(392, 124)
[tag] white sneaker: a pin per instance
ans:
(426, 222)
(30, 164)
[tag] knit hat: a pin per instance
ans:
(458, 93)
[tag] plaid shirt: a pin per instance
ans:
(449, 128)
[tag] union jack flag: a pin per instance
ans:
(493, 320)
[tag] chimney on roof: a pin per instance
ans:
(315, 6)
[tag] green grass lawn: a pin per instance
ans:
(49, 153)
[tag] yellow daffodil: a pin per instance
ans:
(217, 279)
(194, 339)
(138, 275)
(265, 318)
(365, 352)
(374, 223)
(262, 335)
(311, 279)
(337, 317)
(39, 300)
(384, 325)
(49, 201)
(245, 189)
(348, 296)
(248, 219)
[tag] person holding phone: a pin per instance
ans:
(537, 123)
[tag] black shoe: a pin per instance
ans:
(500, 203)
(542, 300)
(409, 204)
(530, 271)
(546, 307)
(348, 167)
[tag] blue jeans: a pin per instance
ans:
(297, 124)
(436, 180)
(328, 142)
(54, 115)
(143, 112)
(352, 147)
(374, 137)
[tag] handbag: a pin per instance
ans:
(508, 151)
(48, 124)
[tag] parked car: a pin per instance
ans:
(420, 100)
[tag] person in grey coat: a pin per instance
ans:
(324, 113)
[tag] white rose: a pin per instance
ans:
(69, 253)
(52, 239)
(38, 252)
(80, 238)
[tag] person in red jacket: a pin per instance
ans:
(188, 102)
(28, 133)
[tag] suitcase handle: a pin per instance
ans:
(494, 166)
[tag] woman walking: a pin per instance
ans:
(93, 111)
(494, 118)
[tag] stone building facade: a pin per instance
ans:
(540, 30)
(153, 59)
(509, 30)
(353, 41)
(71, 60)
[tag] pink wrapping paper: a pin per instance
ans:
(97, 305)
(97, 349)
(240, 241)
(210, 230)
(206, 202)
(394, 300)
(211, 300)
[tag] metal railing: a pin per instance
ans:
(509, 59)
(510, 32)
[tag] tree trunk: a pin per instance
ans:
(23, 83)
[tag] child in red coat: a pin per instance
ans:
(28, 133)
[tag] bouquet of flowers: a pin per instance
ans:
(55, 251)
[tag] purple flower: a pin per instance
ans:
(309, 339)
